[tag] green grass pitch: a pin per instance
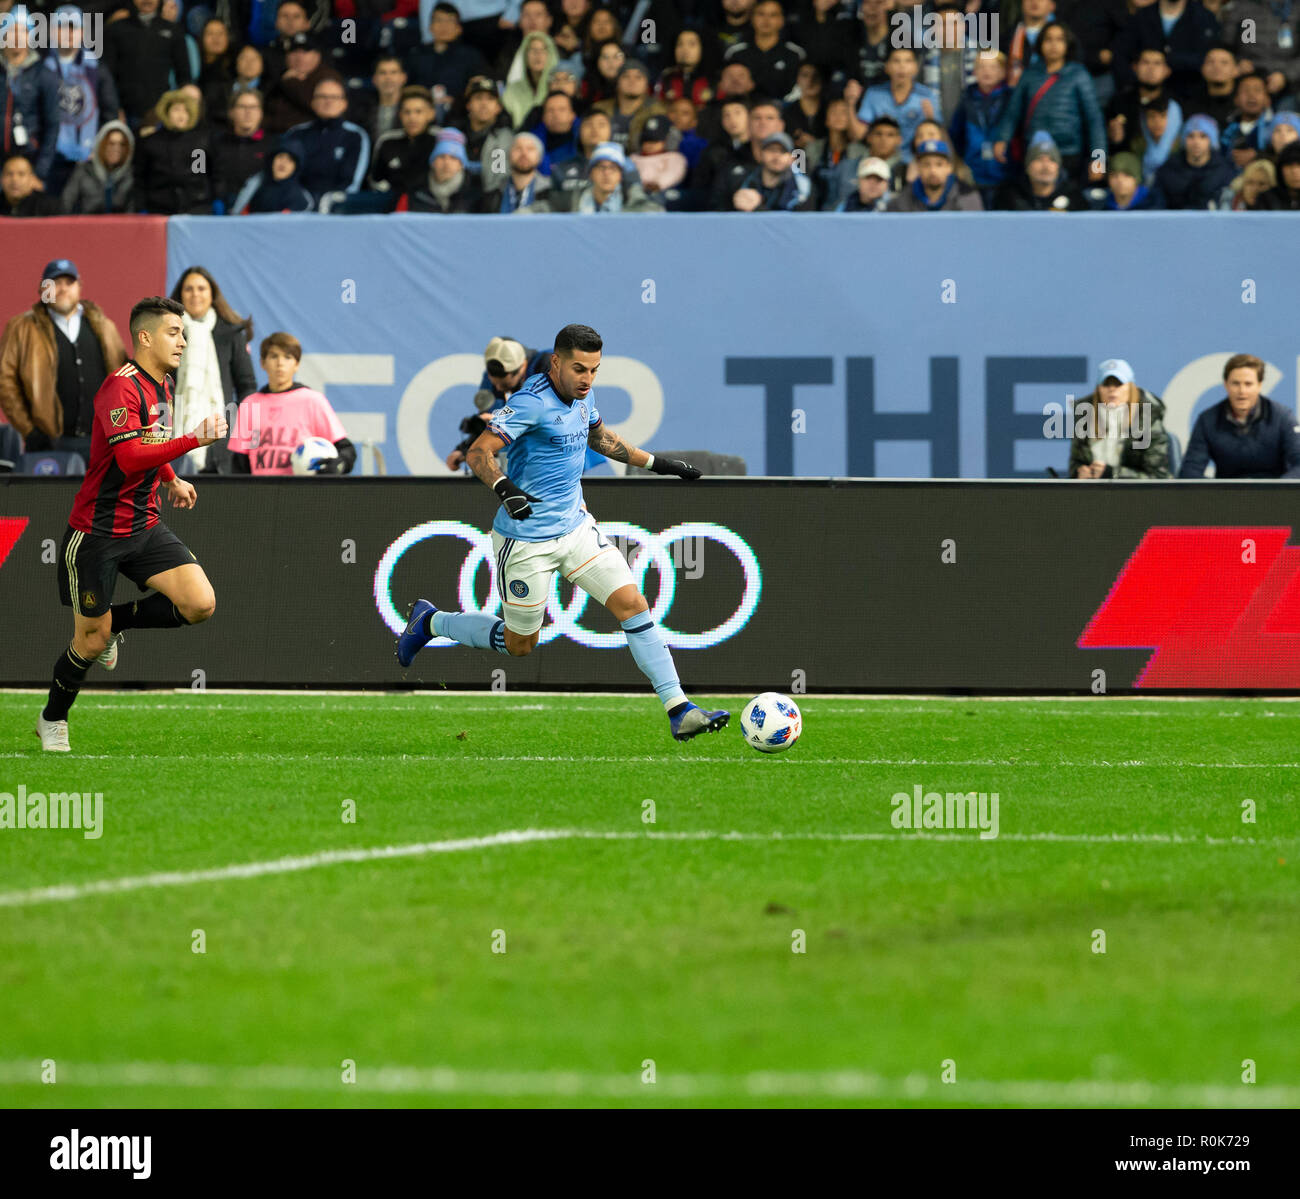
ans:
(655, 965)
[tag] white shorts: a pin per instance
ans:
(525, 570)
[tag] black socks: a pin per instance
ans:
(69, 674)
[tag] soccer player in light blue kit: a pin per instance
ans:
(543, 526)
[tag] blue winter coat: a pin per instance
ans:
(1068, 110)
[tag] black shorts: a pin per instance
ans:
(89, 565)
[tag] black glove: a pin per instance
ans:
(332, 466)
(673, 466)
(517, 503)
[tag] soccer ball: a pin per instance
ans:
(308, 456)
(771, 722)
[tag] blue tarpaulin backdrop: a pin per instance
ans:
(918, 345)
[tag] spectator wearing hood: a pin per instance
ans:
(1246, 435)
(239, 150)
(1044, 187)
(276, 188)
(529, 78)
(401, 157)
(774, 186)
(443, 62)
(975, 123)
(105, 182)
(524, 185)
(146, 55)
(165, 178)
(632, 104)
(609, 188)
(1285, 196)
(661, 170)
(1195, 176)
(87, 96)
(558, 129)
(1119, 430)
(289, 96)
(936, 187)
(29, 100)
(448, 186)
(1055, 96)
(872, 192)
(334, 152)
(1125, 190)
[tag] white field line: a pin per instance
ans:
(751, 760)
(848, 1085)
(62, 892)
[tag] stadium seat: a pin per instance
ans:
(707, 461)
(52, 462)
(11, 449)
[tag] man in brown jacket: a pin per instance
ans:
(53, 359)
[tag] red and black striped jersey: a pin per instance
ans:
(119, 497)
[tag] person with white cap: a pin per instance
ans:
(872, 194)
(1118, 430)
(508, 363)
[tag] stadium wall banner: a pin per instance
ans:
(790, 585)
(121, 260)
(823, 345)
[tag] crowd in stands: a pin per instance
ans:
(536, 106)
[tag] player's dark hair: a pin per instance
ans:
(148, 312)
(219, 301)
(577, 337)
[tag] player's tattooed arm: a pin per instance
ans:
(482, 458)
(606, 441)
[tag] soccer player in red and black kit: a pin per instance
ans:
(114, 527)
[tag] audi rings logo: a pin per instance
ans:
(564, 620)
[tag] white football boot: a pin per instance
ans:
(53, 734)
(108, 659)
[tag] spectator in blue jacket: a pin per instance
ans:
(1246, 435)
(902, 98)
(1196, 176)
(87, 96)
(29, 99)
(976, 120)
(1055, 95)
(334, 153)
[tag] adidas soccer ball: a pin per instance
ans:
(308, 456)
(771, 722)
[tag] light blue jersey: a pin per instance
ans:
(547, 449)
